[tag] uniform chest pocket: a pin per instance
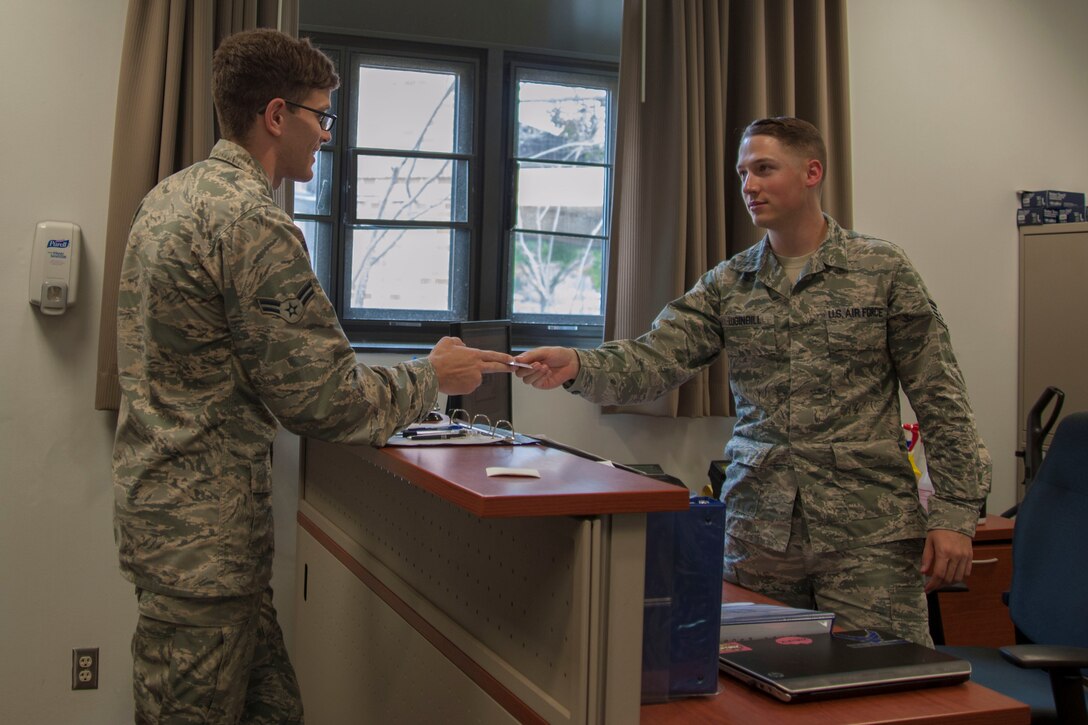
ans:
(751, 341)
(853, 336)
(260, 478)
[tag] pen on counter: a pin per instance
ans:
(435, 435)
(416, 430)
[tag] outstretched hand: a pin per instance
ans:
(461, 368)
(551, 366)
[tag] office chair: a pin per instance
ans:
(1048, 597)
(1035, 432)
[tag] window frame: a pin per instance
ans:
(551, 329)
(374, 325)
(491, 206)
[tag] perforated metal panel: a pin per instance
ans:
(358, 661)
(514, 594)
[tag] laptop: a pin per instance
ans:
(858, 662)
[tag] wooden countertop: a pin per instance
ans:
(994, 528)
(569, 485)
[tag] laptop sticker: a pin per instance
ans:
(868, 638)
(793, 640)
(725, 647)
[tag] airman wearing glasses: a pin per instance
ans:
(224, 333)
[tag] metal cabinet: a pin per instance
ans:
(1053, 334)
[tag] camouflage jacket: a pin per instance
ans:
(815, 373)
(223, 330)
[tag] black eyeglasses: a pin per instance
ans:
(325, 120)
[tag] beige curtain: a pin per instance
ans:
(165, 121)
(693, 74)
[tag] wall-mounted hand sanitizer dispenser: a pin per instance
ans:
(54, 267)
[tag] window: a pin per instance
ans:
(462, 184)
(562, 179)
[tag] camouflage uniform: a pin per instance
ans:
(219, 660)
(223, 330)
(815, 371)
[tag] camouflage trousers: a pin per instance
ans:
(212, 661)
(879, 586)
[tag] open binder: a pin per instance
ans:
(460, 428)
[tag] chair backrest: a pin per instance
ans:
(1048, 599)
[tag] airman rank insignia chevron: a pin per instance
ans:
(289, 309)
(937, 314)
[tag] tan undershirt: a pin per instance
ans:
(792, 266)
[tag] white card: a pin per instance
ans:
(521, 472)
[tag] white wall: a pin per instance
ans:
(684, 447)
(58, 567)
(951, 114)
(956, 104)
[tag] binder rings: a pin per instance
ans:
(460, 428)
(683, 597)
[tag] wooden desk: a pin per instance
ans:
(738, 703)
(978, 617)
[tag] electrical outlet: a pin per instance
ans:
(85, 669)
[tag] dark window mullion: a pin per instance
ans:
(407, 224)
(488, 283)
(345, 196)
(358, 151)
(556, 162)
(549, 232)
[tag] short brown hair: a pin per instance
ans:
(798, 135)
(251, 68)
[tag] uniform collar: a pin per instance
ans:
(831, 253)
(237, 156)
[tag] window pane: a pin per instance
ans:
(315, 196)
(557, 275)
(562, 122)
(407, 109)
(403, 188)
(319, 243)
(555, 198)
(405, 269)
